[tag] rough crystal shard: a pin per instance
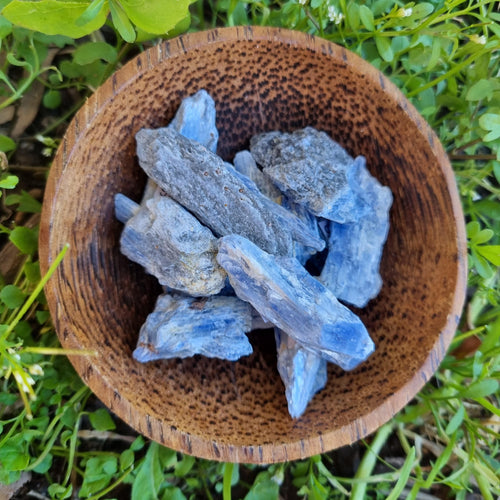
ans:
(311, 169)
(173, 246)
(351, 269)
(125, 208)
(216, 194)
(284, 293)
(245, 164)
(182, 326)
(303, 372)
(195, 119)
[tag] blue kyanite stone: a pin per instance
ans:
(125, 208)
(220, 197)
(245, 164)
(182, 326)
(303, 372)
(311, 169)
(195, 120)
(351, 269)
(172, 245)
(285, 294)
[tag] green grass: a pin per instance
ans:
(445, 57)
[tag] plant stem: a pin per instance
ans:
(368, 462)
(226, 481)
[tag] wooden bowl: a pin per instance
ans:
(261, 79)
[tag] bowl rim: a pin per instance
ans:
(265, 452)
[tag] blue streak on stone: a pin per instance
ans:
(224, 200)
(195, 120)
(173, 246)
(125, 208)
(301, 252)
(351, 269)
(284, 293)
(303, 372)
(245, 164)
(311, 169)
(182, 326)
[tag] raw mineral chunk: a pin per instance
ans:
(201, 182)
(311, 169)
(351, 269)
(284, 293)
(182, 326)
(245, 164)
(303, 372)
(173, 246)
(125, 208)
(195, 119)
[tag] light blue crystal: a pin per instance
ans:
(173, 246)
(311, 169)
(351, 269)
(182, 326)
(216, 194)
(245, 164)
(284, 293)
(303, 372)
(125, 208)
(195, 120)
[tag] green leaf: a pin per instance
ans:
(127, 459)
(121, 22)
(6, 143)
(91, 12)
(25, 239)
(12, 296)
(456, 420)
(490, 252)
(264, 490)
(8, 181)
(52, 99)
(481, 389)
(44, 465)
(13, 455)
(490, 122)
(366, 17)
(173, 493)
(482, 89)
(156, 17)
(25, 201)
(384, 48)
(93, 51)
(53, 17)
(482, 237)
(183, 467)
(403, 475)
(101, 420)
(353, 16)
(149, 477)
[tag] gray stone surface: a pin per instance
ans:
(351, 269)
(195, 119)
(182, 326)
(284, 293)
(311, 169)
(173, 246)
(218, 196)
(245, 164)
(303, 372)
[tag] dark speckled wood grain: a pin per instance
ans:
(261, 79)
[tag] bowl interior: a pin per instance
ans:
(261, 79)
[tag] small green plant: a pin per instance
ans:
(444, 55)
(77, 19)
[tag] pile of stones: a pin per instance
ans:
(230, 243)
